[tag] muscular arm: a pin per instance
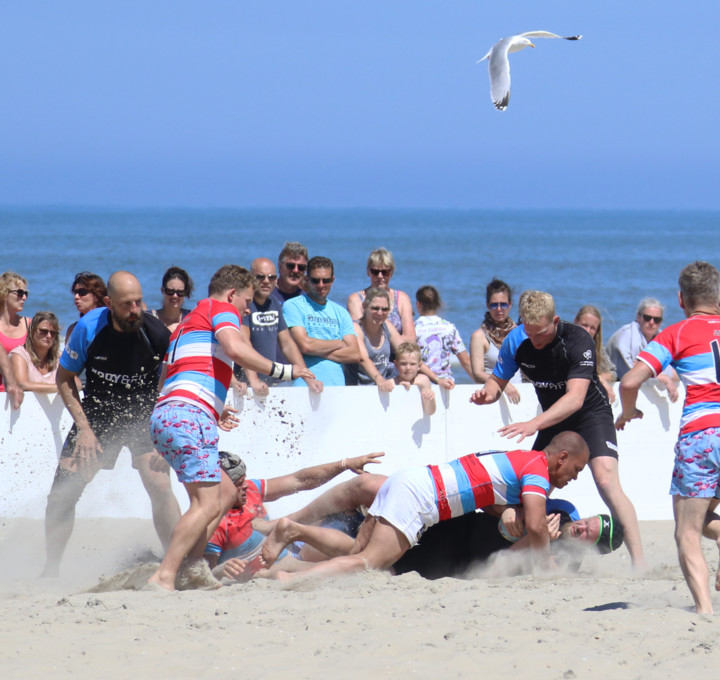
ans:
(573, 399)
(349, 353)
(314, 346)
(537, 531)
(629, 388)
(491, 392)
(312, 477)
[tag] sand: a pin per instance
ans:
(603, 622)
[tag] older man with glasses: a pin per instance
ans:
(292, 264)
(267, 331)
(322, 329)
(632, 338)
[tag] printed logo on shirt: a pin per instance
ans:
(71, 353)
(587, 354)
(269, 318)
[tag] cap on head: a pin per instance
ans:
(611, 535)
(233, 465)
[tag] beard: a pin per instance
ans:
(129, 324)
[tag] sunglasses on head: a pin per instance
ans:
(48, 331)
(20, 292)
(82, 292)
(377, 308)
(269, 277)
(295, 266)
(501, 305)
(317, 279)
(647, 318)
(377, 272)
(170, 292)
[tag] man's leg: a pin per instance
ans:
(155, 476)
(607, 480)
(344, 497)
(205, 510)
(385, 546)
(690, 515)
(330, 542)
(711, 530)
(67, 487)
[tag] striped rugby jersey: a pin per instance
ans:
(199, 370)
(692, 348)
(490, 478)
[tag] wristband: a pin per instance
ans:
(282, 371)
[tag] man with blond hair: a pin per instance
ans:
(559, 359)
(693, 349)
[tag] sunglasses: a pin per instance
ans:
(317, 280)
(647, 318)
(501, 305)
(20, 292)
(269, 277)
(48, 331)
(171, 292)
(82, 292)
(292, 266)
(377, 272)
(377, 308)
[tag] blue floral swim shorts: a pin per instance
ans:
(697, 464)
(186, 437)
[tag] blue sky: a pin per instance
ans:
(379, 104)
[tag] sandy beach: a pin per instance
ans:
(601, 622)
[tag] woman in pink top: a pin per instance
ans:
(35, 362)
(13, 327)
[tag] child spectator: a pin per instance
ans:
(407, 365)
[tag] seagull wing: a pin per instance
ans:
(499, 69)
(547, 34)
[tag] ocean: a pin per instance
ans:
(607, 258)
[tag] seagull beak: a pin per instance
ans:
(531, 45)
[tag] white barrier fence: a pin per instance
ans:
(293, 429)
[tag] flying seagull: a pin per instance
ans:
(499, 66)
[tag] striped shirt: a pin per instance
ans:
(199, 370)
(692, 348)
(491, 478)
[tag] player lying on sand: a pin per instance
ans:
(414, 499)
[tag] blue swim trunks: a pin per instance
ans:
(697, 464)
(186, 437)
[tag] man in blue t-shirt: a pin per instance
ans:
(322, 329)
(267, 331)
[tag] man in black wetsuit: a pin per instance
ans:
(559, 359)
(121, 349)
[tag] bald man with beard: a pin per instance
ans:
(121, 349)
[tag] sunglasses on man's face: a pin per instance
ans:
(501, 305)
(292, 266)
(171, 292)
(315, 280)
(20, 292)
(269, 277)
(82, 292)
(647, 318)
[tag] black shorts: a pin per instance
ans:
(135, 435)
(599, 434)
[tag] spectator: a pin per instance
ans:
(408, 364)
(13, 327)
(35, 362)
(266, 330)
(177, 286)
(632, 338)
(438, 338)
(89, 292)
(590, 319)
(485, 342)
(322, 329)
(292, 264)
(377, 341)
(380, 269)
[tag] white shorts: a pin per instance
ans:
(407, 501)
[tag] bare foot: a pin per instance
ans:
(264, 526)
(154, 583)
(279, 537)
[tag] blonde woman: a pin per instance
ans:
(590, 319)
(35, 362)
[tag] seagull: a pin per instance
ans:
(499, 66)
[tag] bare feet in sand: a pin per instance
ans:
(279, 537)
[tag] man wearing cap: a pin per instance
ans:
(692, 347)
(234, 548)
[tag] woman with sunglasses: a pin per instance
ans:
(177, 286)
(485, 342)
(35, 362)
(89, 292)
(380, 269)
(377, 341)
(13, 327)
(590, 319)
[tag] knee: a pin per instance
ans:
(67, 487)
